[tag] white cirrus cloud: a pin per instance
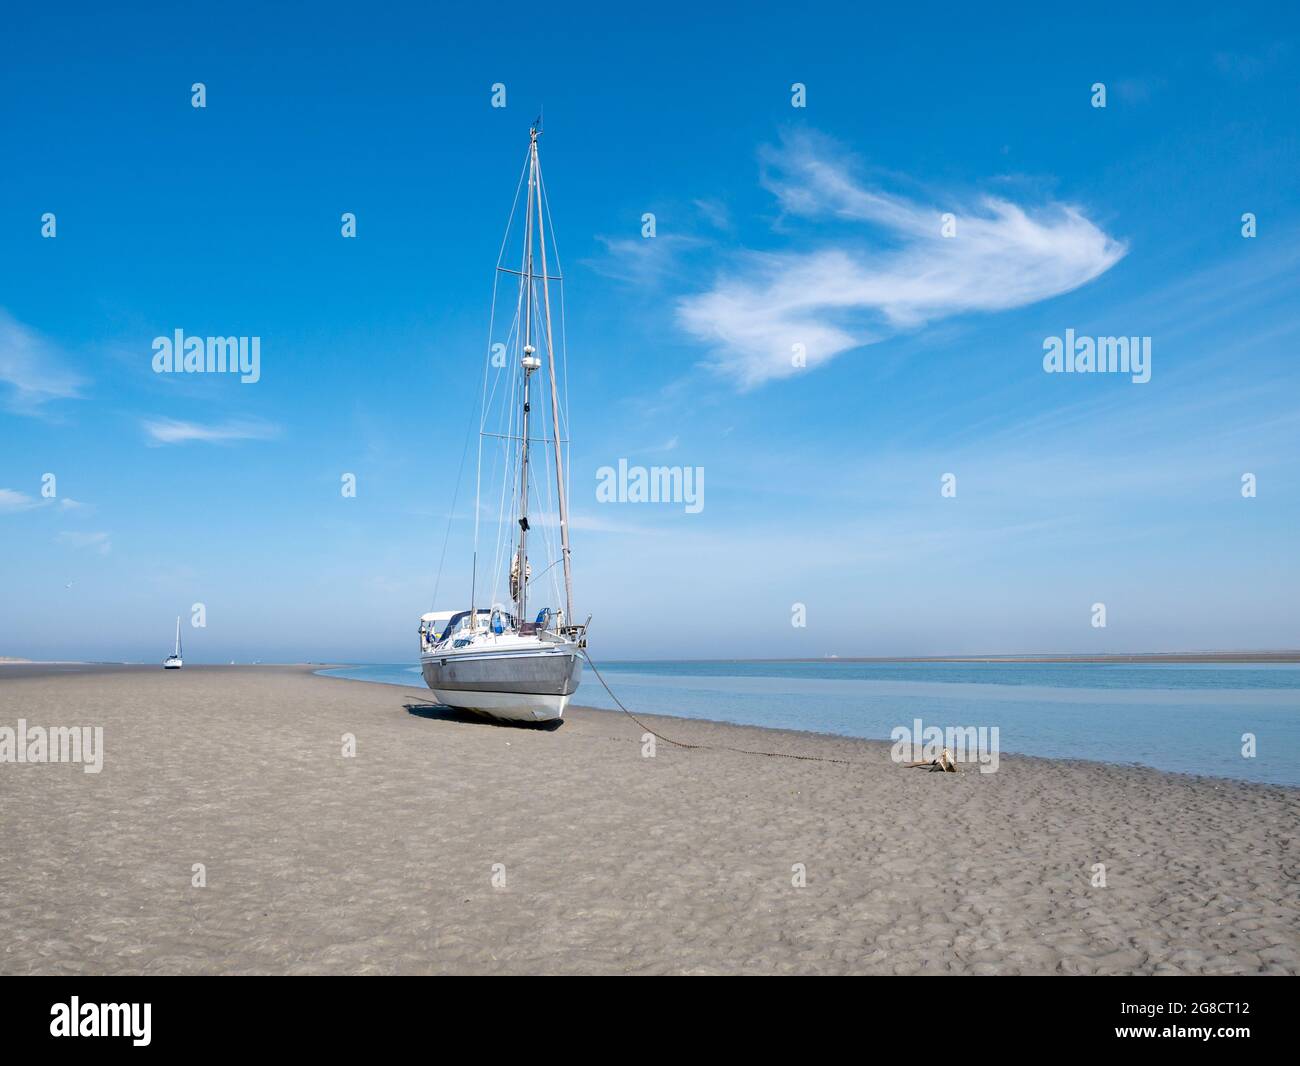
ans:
(886, 268)
(173, 431)
(591, 523)
(715, 212)
(98, 542)
(11, 501)
(32, 367)
(644, 260)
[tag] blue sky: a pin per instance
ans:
(774, 224)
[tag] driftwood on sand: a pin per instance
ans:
(943, 763)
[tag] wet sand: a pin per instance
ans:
(612, 862)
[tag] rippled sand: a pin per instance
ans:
(613, 863)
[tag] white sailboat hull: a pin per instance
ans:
(507, 706)
(516, 679)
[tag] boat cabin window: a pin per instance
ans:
(460, 622)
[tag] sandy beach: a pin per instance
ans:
(612, 862)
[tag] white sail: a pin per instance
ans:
(174, 660)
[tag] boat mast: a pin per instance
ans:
(555, 401)
(530, 363)
(178, 636)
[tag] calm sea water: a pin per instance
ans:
(1175, 716)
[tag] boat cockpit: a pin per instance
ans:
(459, 628)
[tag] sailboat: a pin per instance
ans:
(492, 657)
(174, 660)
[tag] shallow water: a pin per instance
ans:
(1188, 717)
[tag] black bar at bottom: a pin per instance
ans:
(340, 1014)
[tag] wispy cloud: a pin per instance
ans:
(644, 260)
(172, 431)
(12, 501)
(1137, 90)
(593, 523)
(33, 368)
(1246, 66)
(714, 212)
(97, 542)
(858, 288)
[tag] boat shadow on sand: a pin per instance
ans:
(436, 712)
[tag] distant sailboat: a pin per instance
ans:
(174, 660)
(493, 659)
